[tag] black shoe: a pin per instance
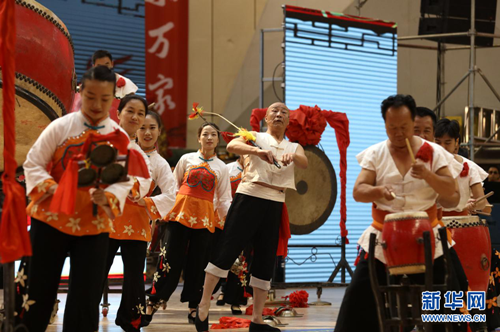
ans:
(200, 326)
(236, 310)
(220, 300)
(262, 328)
(191, 317)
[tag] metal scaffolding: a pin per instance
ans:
(470, 74)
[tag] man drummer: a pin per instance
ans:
(392, 182)
(256, 212)
(425, 123)
(124, 86)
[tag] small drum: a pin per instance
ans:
(45, 74)
(473, 246)
(403, 242)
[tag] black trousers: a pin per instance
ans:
(256, 221)
(133, 301)
(358, 311)
(88, 262)
(234, 289)
(184, 248)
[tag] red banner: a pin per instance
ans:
(167, 64)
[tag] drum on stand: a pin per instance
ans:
(403, 243)
(45, 74)
(313, 202)
(473, 247)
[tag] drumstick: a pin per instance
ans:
(393, 195)
(151, 106)
(484, 197)
(483, 213)
(408, 145)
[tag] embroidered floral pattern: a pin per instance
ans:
(73, 223)
(27, 302)
(192, 221)
(42, 187)
(128, 230)
(51, 216)
(206, 221)
(140, 309)
(21, 278)
(99, 223)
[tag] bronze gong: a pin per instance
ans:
(313, 202)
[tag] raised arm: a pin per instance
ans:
(240, 147)
(299, 158)
(441, 181)
(366, 191)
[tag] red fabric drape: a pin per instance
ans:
(306, 126)
(14, 238)
(285, 233)
(231, 323)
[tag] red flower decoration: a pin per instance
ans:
(120, 83)
(465, 170)
(306, 126)
(425, 153)
(196, 112)
(298, 299)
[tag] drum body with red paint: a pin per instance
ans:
(403, 244)
(473, 246)
(45, 73)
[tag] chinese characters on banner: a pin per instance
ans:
(167, 64)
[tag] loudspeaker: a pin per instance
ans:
(485, 9)
(447, 16)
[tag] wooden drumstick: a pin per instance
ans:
(484, 197)
(482, 213)
(151, 106)
(393, 195)
(408, 145)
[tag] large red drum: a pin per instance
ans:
(45, 74)
(473, 246)
(403, 244)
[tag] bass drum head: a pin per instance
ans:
(33, 115)
(313, 202)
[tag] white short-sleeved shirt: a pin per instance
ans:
(475, 175)
(411, 194)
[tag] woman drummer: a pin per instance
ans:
(131, 231)
(470, 179)
(200, 178)
(81, 234)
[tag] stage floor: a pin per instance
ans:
(174, 318)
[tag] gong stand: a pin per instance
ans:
(399, 302)
(342, 264)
